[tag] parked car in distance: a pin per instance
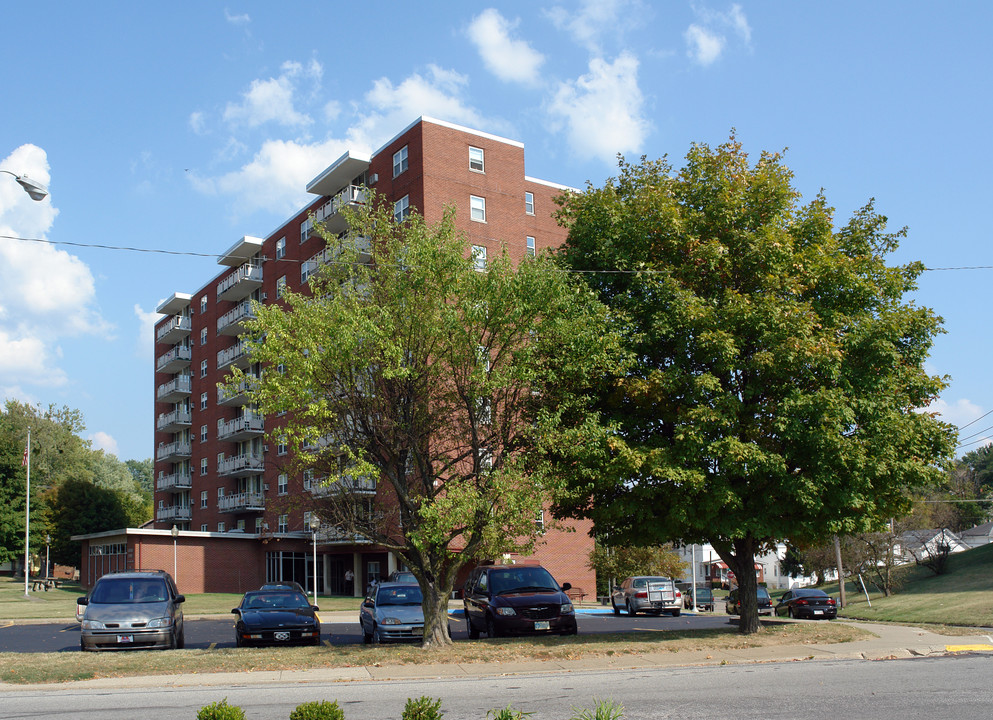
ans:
(647, 594)
(402, 576)
(807, 603)
(517, 600)
(125, 610)
(733, 606)
(276, 616)
(285, 585)
(392, 613)
(704, 598)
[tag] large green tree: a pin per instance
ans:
(778, 380)
(407, 366)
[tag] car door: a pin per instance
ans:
(780, 609)
(476, 596)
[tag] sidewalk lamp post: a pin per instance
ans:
(315, 524)
(175, 534)
(48, 567)
(36, 190)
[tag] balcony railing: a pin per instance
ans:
(322, 487)
(175, 389)
(176, 420)
(233, 322)
(174, 512)
(330, 534)
(174, 482)
(241, 428)
(246, 464)
(236, 355)
(177, 327)
(241, 502)
(175, 450)
(308, 269)
(174, 360)
(241, 283)
(235, 396)
(330, 212)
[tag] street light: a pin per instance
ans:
(48, 567)
(315, 524)
(36, 190)
(175, 534)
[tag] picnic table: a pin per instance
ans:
(46, 583)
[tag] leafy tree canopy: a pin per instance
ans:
(617, 563)
(777, 376)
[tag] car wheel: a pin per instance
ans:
(491, 628)
(366, 637)
(376, 637)
(473, 631)
(181, 642)
(238, 642)
(789, 613)
(675, 613)
(631, 610)
(617, 610)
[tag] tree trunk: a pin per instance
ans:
(435, 607)
(740, 557)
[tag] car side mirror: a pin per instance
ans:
(314, 608)
(82, 601)
(236, 611)
(180, 599)
(566, 587)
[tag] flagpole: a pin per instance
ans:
(27, 516)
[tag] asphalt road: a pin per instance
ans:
(64, 637)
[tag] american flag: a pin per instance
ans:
(24, 460)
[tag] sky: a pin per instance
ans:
(184, 126)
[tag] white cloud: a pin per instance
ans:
(738, 21)
(509, 59)
(595, 18)
(959, 412)
(28, 359)
(105, 442)
(603, 110)
(198, 123)
(242, 19)
(272, 100)
(145, 345)
(704, 46)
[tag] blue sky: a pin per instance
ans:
(184, 126)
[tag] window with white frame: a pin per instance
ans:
(220, 526)
(399, 161)
(204, 499)
(220, 493)
(203, 528)
(530, 249)
(258, 525)
(241, 525)
(401, 208)
(282, 484)
(284, 524)
(203, 305)
(476, 159)
(203, 468)
(203, 401)
(308, 479)
(281, 446)
(477, 208)
(280, 286)
(479, 257)
(203, 336)
(529, 203)
(306, 519)
(203, 368)
(539, 523)
(281, 248)
(203, 433)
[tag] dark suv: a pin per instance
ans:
(139, 609)
(733, 605)
(517, 600)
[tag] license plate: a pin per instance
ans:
(281, 636)
(125, 638)
(818, 612)
(540, 624)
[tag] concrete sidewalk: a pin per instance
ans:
(891, 642)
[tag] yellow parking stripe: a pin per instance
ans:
(212, 646)
(968, 648)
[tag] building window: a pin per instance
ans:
(203, 305)
(281, 286)
(306, 519)
(284, 524)
(281, 248)
(203, 368)
(203, 499)
(241, 525)
(479, 257)
(401, 208)
(220, 527)
(203, 433)
(203, 528)
(539, 523)
(399, 161)
(282, 484)
(477, 208)
(308, 479)
(203, 470)
(203, 336)
(530, 250)
(476, 159)
(203, 401)
(220, 493)
(281, 446)
(529, 203)
(258, 525)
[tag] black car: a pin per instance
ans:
(733, 604)
(517, 600)
(276, 617)
(807, 603)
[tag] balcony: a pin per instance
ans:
(174, 512)
(241, 428)
(174, 421)
(174, 360)
(308, 269)
(241, 465)
(235, 397)
(330, 212)
(175, 329)
(241, 283)
(233, 322)
(236, 355)
(174, 390)
(176, 482)
(241, 502)
(361, 484)
(179, 450)
(332, 535)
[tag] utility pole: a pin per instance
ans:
(841, 573)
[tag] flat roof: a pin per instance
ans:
(240, 252)
(176, 303)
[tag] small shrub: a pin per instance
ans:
(220, 711)
(602, 710)
(423, 708)
(322, 710)
(507, 713)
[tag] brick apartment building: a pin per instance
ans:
(228, 516)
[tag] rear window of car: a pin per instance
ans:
(399, 596)
(124, 591)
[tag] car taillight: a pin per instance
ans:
(678, 594)
(802, 602)
(831, 601)
(641, 595)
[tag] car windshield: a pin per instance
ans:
(275, 601)
(810, 593)
(522, 580)
(123, 591)
(762, 592)
(399, 596)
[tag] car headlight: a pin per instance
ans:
(390, 621)
(506, 611)
(93, 625)
(567, 609)
(162, 622)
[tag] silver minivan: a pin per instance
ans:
(140, 609)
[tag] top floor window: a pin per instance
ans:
(476, 159)
(399, 161)
(281, 248)
(203, 305)
(529, 203)
(401, 208)
(477, 208)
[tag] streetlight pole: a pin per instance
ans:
(48, 566)
(315, 524)
(175, 534)
(27, 513)
(36, 190)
